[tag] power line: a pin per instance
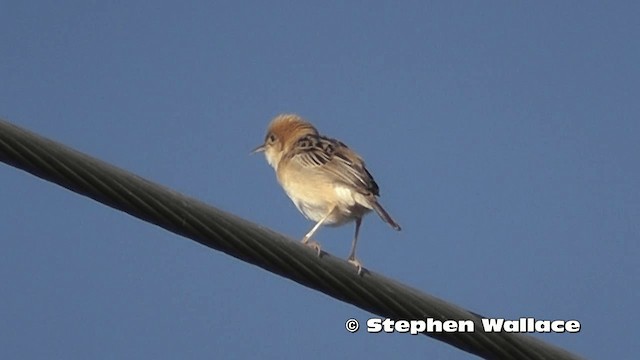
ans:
(255, 244)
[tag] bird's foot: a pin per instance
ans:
(355, 262)
(312, 244)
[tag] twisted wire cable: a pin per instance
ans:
(255, 244)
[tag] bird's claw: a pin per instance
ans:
(355, 262)
(312, 244)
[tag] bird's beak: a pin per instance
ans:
(260, 148)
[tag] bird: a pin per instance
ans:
(326, 180)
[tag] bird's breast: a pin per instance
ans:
(316, 196)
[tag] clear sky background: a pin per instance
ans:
(503, 135)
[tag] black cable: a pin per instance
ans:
(255, 244)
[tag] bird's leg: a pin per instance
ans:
(352, 255)
(307, 238)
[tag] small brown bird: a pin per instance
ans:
(327, 181)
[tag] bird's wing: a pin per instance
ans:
(334, 157)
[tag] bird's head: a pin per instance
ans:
(282, 134)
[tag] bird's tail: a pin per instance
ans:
(384, 215)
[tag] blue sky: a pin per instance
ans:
(503, 135)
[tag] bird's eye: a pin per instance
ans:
(271, 138)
